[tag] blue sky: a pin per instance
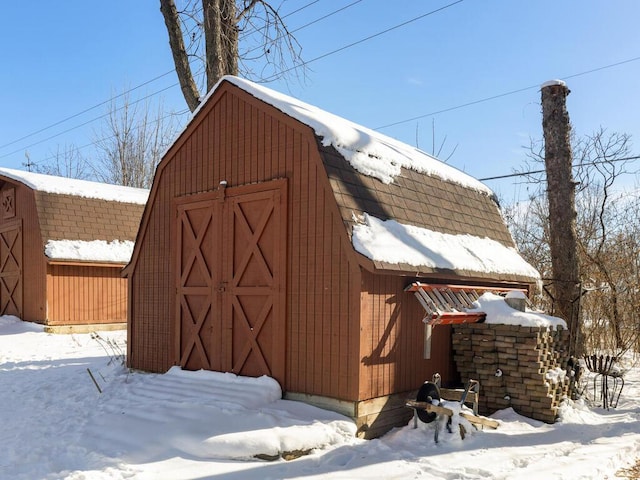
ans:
(62, 58)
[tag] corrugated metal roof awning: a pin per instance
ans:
(449, 304)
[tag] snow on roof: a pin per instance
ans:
(369, 152)
(89, 251)
(499, 312)
(78, 188)
(392, 242)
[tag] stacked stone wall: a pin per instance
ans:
(516, 366)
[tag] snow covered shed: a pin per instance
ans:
(63, 243)
(279, 239)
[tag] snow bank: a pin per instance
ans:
(186, 425)
(392, 242)
(96, 250)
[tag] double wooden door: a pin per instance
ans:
(230, 280)
(11, 269)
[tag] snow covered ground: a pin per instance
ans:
(54, 424)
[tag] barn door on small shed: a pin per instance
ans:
(199, 329)
(230, 280)
(11, 270)
(254, 273)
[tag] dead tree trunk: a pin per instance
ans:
(562, 210)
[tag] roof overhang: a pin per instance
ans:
(78, 263)
(445, 274)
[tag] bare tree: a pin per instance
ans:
(66, 161)
(607, 228)
(131, 142)
(603, 225)
(205, 39)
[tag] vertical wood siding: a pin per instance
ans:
(392, 340)
(33, 264)
(80, 295)
(241, 140)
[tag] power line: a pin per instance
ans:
(84, 123)
(109, 137)
(86, 110)
(327, 54)
(512, 92)
(158, 77)
(324, 17)
(358, 42)
(583, 164)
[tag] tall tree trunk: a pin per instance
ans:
(221, 39)
(230, 31)
(562, 210)
(180, 57)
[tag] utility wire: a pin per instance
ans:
(84, 123)
(319, 19)
(358, 42)
(109, 137)
(345, 47)
(512, 92)
(583, 164)
(176, 84)
(85, 110)
(158, 77)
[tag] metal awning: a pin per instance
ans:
(448, 304)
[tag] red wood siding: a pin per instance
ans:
(392, 340)
(81, 295)
(25, 217)
(241, 140)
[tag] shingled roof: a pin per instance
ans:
(377, 176)
(82, 211)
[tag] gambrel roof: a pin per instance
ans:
(75, 214)
(374, 176)
(449, 222)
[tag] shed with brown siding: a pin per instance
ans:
(63, 243)
(247, 261)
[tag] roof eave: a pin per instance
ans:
(406, 270)
(85, 263)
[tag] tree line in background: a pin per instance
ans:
(608, 239)
(126, 148)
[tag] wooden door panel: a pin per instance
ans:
(254, 299)
(199, 326)
(11, 257)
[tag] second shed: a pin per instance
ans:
(63, 243)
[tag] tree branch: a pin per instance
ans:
(180, 58)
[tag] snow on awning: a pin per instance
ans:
(450, 304)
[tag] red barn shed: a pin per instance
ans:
(63, 243)
(279, 239)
